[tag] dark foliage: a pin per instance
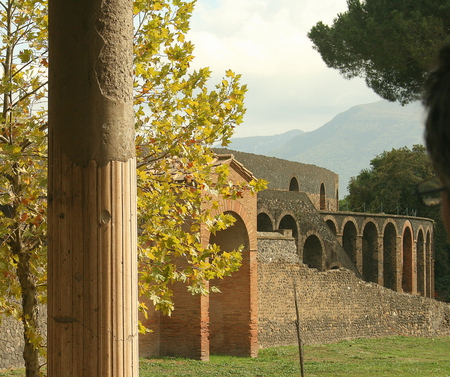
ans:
(390, 43)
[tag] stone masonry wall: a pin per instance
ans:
(335, 305)
(11, 339)
(11, 343)
(309, 221)
(278, 173)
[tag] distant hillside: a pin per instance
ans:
(348, 142)
(262, 144)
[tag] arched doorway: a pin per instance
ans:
(264, 223)
(228, 322)
(323, 203)
(293, 185)
(421, 264)
(407, 277)
(389, 256)
(370, 253)
(349, 240)
(312, 252)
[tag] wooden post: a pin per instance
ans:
(297, 325)
(92, 258)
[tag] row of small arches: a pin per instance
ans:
(386, 272)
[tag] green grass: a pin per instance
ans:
(394, 356)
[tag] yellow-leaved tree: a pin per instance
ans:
(178, 117)
(23, 159)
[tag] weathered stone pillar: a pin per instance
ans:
(359, 253)
(399, 264)
(92, 271)
(380, 260)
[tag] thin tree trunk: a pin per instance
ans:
(28, 289)
(29, 315)
(92, 273)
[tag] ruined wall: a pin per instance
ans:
(308, 222)
(335, 305)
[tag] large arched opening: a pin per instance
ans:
(288, 222)
(421, 263)
(349, 240)
(390, 256)
(264, 223)
(313, 253)
(370, 253)
(407, 277)
(323, 203)
(228, 322)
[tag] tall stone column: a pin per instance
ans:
(92, 270)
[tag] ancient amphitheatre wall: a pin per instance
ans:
(334, 304)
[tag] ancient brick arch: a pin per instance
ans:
(331, 222)
(245, 213)
(370, 249)
(390, 233)
(288, 220)
(203, 324)
(332, 226)
(229, 325)
(420, 261)
(408, 258)
(264, 222)
(349, 238)
(313, 251)
(396, 251)
(233, 329)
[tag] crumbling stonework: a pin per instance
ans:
(334, 304)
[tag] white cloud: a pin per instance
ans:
(266, 41)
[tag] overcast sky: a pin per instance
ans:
(266, 41)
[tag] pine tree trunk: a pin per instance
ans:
(92, 273)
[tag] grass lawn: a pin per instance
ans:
(394, 356)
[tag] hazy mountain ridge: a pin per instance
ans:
(262, 144)
(348, 142)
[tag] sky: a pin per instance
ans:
(289, 86)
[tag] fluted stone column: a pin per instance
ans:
(92, 271)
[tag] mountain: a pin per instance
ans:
(348, 142)
(262, 144)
